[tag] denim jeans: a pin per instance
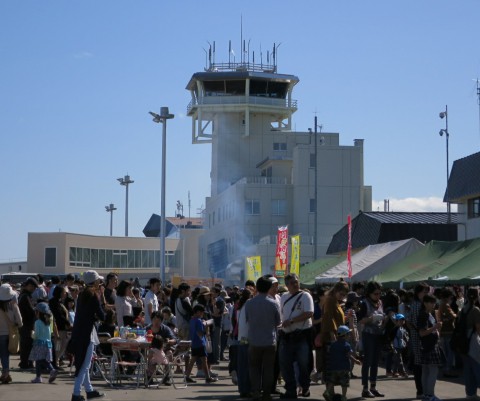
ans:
(471, 372)
(372, 347)
(290, 352)
(243, 376)
(216, 338)
(83, 377)
(429, 378)
(448, 352)
(4, 354)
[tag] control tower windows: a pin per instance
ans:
(262, 88)
(224, 88)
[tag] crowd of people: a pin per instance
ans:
(271, 332)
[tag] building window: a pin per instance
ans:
(279, 207)
(50, 257)
(279, 146)
(313, 206)
(252, 207)
(473, 208)
(313, 160)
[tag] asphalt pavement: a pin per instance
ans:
(22, 390)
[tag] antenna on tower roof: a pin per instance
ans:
(478, 101)
(241, 37)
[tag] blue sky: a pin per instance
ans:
(77, 80)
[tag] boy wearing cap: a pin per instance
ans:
(400, 344)
(338, 365)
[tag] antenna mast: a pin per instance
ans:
(189, 204)
(478, 101)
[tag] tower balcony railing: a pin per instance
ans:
(263, 180)
(242, 66)
(250, 100)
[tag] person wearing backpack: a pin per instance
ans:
(471, 365)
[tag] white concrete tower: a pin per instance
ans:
(261, 171)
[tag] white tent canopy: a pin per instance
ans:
(371, 261)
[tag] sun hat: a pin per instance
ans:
(43, 307)
(203, 290)
(399, 316)
(342, 330)
(6, 292)
(90, 276)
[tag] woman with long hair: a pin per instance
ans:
(372, 319)
(419, 292)
(9, 315)
(60, 317)
(332, 318)
(84, 334)
(240, 332)
(123, 304)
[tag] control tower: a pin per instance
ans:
(261, 175)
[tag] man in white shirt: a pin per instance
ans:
(295, 337)
(150, 302)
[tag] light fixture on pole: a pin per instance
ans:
(162, 118)
(126, 181)
(444, 115)
(110, 210)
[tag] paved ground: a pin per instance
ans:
(22, 390)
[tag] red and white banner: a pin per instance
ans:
(281, 256)
(349, 247)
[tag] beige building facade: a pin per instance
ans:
(63, 253)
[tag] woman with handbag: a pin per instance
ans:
(10, 321)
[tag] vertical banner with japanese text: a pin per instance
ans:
(254, 267)
(295, 262)
(281, 256)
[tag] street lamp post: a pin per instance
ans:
(315, 188)
(126, 181)
(162, 118)
(444, 114)
(110, 210)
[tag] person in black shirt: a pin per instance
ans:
(27, 310)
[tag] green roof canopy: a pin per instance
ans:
(437, 261)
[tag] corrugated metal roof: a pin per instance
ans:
(464, 179)
(370, 228)
(413, 217)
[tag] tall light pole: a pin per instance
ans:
(110, 210)
(162, 118)
(126, 181)
(444, 114)
(315, 188)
